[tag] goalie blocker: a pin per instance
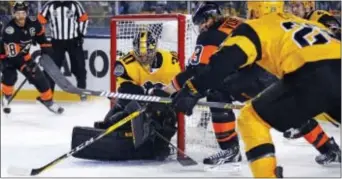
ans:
(134, 141)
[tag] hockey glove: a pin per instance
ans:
(186, 99)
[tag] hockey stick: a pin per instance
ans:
(333, 122)
(65, 85)
(186, 160)
(36, 171)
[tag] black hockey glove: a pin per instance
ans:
(186, 99)
(149, 87)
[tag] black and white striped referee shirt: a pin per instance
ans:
(67, 19)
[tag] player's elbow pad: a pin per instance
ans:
(129, 87)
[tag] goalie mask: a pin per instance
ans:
(144, 47)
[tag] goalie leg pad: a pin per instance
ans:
(116, 146)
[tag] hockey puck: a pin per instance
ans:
(7, 110)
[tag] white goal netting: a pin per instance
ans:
(199, 138)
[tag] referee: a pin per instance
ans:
(68, 22)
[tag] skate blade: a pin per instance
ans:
(233, 168)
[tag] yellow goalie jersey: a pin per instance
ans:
(282, 43)
(164, 68)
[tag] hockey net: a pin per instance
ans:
(177, 33)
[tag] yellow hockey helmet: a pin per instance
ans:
(261, 8)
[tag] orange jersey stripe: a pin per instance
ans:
(83, 18)
(41, 19)
(202, 57)
(224, 127)
(313, 134)
(27, 57)
(227, 138)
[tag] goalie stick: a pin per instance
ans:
(65, 85)
(36, 171)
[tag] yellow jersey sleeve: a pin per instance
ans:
(246, 38)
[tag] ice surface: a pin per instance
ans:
(31, 136)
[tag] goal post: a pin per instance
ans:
(175, 32)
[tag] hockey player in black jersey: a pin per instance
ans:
(247, 84)
(214, 28)
(268, 43)
(18, 36)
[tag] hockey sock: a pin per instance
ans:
(225, 134)
(314, 134)
(7, 90)
(46, 96)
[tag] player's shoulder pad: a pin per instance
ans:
(211, 37)
(246, 30)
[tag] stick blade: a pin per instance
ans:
(186, 161)
(19, 171)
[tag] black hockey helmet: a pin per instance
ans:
(205, 11)
(20, 6)
(144, 46)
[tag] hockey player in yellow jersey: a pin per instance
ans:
(144, 70)
(306, 58)
(306, 10)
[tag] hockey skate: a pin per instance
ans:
(51, 106)
(5, 103)
(333, 156)
(229, 155)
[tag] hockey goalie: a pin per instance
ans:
(142, 71)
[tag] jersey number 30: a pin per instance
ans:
(307, 34)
